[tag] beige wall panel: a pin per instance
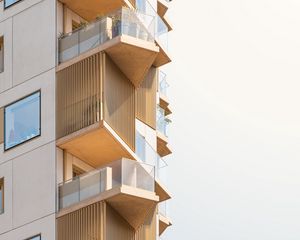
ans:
(6, 75)
(85, 223)
(78, 96)
(117, 227)
(46, 83)
(34, 49)
(44, 226)
(1, 125)
(6, 217)
(146, 99)
(119, 103)
(34, 191)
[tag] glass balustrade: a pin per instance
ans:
(91, 35)
(163, 84)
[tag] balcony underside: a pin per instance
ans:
(133, 56)
(166, 21)
(162, 58)
(161, 191)
(164, 104)
(131, 203)
(164, 223)
(91, 9)
(97, 144)
(162, 145)
(162, 7)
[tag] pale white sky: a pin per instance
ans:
(235, 83)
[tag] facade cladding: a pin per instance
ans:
(84, 118)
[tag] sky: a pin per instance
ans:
(235, 82)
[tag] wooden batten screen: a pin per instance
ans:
(78, 99)
(119, 103)
(1, 125)
(148, 230)
(85, 223)
(146, 99)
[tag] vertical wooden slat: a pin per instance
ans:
(146, 99)
(1, 125)
(119, 103)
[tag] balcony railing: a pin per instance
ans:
(161, 29)
(148, 155)
(163, 208)
(163, 84)
(121, 172)
(122, 22)
(162, 122)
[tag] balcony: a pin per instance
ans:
(148, 155)
(127, 36)
(89, 10)
(164, 220)
(126, 185)
(163, 92)
(160, 33)
(162, 123)
(162, 7)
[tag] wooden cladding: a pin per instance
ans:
(79, 89)
(85, 223)
(1, 125)
(119, 103)
(100, 221)
(146, 99)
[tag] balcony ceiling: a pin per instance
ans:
(161, 191)
(162, 57)
(90, 9)
(162, 7)
(164, 223)
(162, 145)
(97, 145)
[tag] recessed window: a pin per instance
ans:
(1, 54)
(1, 195)
(8, 3)
(37, 237)
(22, 121)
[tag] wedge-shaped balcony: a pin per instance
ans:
(127, 36)
(162, 123)
(95, 111)
(148, 155)
(127, 185)
(163, 92)
(91, 9)
(160, 32)
(163, 217)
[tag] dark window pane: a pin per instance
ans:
(9, 2)
(22, 120)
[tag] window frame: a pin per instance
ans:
(2, 189)
(40, 120)
(4, 3)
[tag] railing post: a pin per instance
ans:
(107, 177)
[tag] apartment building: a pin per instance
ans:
(83, 119)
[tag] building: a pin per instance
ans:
(83, 118)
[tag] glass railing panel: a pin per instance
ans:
(161, 29)
(121, 172)
(69, 193)
(163, 84)
(121, 22)
(162, 121)
(149, 156)
(163, 208)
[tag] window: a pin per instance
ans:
(1, 54)
(37, 237)
(8, 3)
(22, 121)
(1, 195)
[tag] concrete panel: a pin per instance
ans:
(44, 226)
(45, 82)
(15, 9)
(34, 191)
(34, 49)
(6, 217)
(6, 75)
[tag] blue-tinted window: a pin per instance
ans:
(8, 3)
(22, 120)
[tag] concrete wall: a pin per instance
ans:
(29, 170)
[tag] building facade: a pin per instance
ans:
(83, 119)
